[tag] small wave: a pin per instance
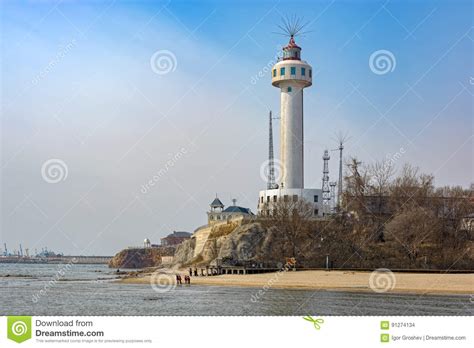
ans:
(17, 276)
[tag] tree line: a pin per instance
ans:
(383, 220)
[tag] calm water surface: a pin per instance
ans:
(90, 290)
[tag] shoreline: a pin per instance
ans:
(350, 281)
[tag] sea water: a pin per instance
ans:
(49, 289)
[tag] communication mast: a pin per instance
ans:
(326, 190)
(332, 185)
(342, 138)
(271, 160)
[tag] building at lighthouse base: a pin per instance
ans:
(267, 198)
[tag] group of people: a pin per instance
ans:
(187, 279)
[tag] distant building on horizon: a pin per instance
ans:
(175, 238)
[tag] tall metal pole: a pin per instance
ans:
(339, 185)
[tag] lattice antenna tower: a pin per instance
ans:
(271, 184)
(332, 185)
(326, 190)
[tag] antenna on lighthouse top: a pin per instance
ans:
(292, 26)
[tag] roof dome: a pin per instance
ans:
(216, 203)
(292, 43)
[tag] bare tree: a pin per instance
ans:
(380, 174)
(411, 228)
(451, 205)
(411, 189)
(291, 218)
(355, 188)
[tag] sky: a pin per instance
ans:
(122, 120)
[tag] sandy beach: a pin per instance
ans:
(428, 283)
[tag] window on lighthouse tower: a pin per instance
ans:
(289, 89)
(293, 70)
(282, 71)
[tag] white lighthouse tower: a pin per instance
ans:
(291, 75)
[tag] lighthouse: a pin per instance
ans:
(291, 75)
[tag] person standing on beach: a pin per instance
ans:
(190, 271)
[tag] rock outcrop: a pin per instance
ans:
(231, 244)
(185, 251)
(244, 243)
(140, 257)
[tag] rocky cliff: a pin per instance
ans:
(232, 245)
(140, 257)
(185, 251)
